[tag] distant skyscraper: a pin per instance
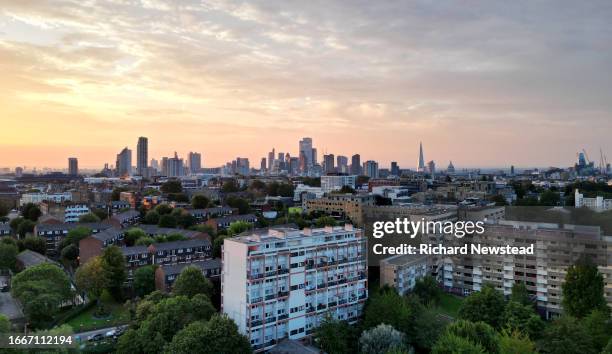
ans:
(174, 166)
(421, 167)
(271, 158)
(155, 164)
(294, 165)
(306, 149)
(342, 164)
(512, 170)
(242, 166)
(395, 170)
(328, 163)
(73, 166)
(124, 163)
(451, 168)
(356, 165)
(370, 169)
(263, 165)
(142, 156)
(18, 172)
(195, 162)
(431, 167)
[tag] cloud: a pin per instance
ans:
(379, 70)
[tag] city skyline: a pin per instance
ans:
(483, 85)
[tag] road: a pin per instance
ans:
(83, 336)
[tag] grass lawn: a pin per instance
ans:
(449, 305)
(86, 322)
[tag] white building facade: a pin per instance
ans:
(283, 283)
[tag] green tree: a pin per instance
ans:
(238, 227)
(5, 324)
(499, 200)
(523, 318)
(113, 263)
(583, 289)
(92, 279)
(14, 224)
(159, 318)
(449, 343)
(132, 235)
(31, 212)
(163, 209)
(144, 280)
(429, 326)
(217, 336)
(240, 203)
(191, 282)
(427, 290)
(550, 198)
(8, 256)
(75, 235)
(25, 227)
(100, 213)
(520, 294)
(116, 194)
(599, 325)
(515, 342)
(230, 186)
(382, 339)
(151, 218)
(566, 336)
(70, 253)
(89, 218)
(145, 241)
(478, 333)
(200, 202)
(390, 308)
(336, 337)
(325, 221)
(41, 289)
(172, 186)
(35, 243)
(486, 305)
(167, 221)
(608, 348)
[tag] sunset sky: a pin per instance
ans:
(481, 83)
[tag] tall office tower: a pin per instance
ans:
(73, 166)
(512, 170)
(303, 163)
(306, 149)
(314, 156)
(271, 158)
(356, 165)
(395, 170)
(195, 162)
(18, 172)
(328, 163)
(284, 282)
(342, 164)
(281, 161)
(370, 169)
(242, 166)
(124, 163)
(174, 166)
(294, 166)
(142, 156)
(263, 165)
(451, 168)
(431, 167)
(421, 167)
(155, 164)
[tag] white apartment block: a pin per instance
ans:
(74, 211)
(543, 273)
(282, 283)
(37, 198)
(598, 203)
(332, 183)
(402, 271)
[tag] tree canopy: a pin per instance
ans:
(583, 289)
(191, 282)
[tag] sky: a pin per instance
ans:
(481, 83)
